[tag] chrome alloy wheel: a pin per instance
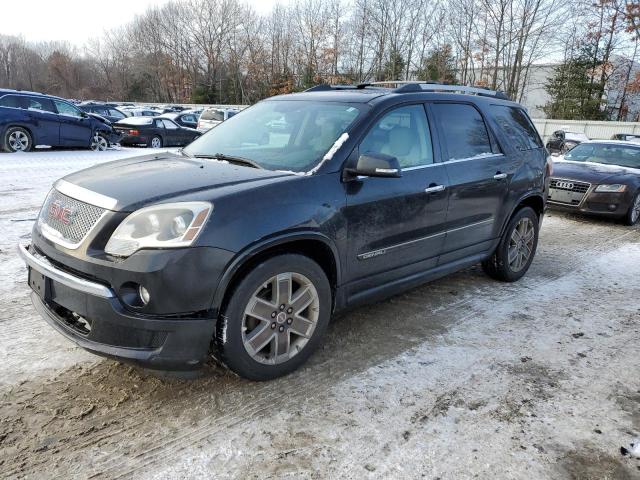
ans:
(521, 244)
(635, 209)
(280, 318)
(156, 142)
(99, 143)
(18, 141)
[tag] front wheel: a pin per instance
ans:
(516, 249)
(275, 317)
(99, 143)
(17, 139)
(633, 215)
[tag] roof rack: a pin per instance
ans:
(406, 86)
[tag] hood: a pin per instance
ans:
(591, 172)
(135, 182)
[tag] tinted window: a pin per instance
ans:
(517, 126)
(463, 130)
(11, 101)
(402, 133)
(230, 114)
(67, 109)
(189, 118)
(607, 153)
(36, 103)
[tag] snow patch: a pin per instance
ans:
(332, 151)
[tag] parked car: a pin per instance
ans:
(629, 137)
(250, 241)
(112, 114)
(212, 117)
(154, 132)
(600, 177)
(28, 119)
(562, 141)
(184, 119)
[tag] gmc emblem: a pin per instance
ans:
(61, 212)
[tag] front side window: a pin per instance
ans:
(67, 109)
(292, 135)
(463, 130)
(189, 118)
(402, 133)
(116, 113)
(517, 126)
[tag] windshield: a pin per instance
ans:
(607, 153)
(279, 135)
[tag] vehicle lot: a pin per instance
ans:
(460, 378)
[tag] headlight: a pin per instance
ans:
(167, 225)
(616, 187)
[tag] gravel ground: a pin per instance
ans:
(461, 378)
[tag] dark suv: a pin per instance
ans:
(247, 241)
(28, 119)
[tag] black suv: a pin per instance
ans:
(245, 243)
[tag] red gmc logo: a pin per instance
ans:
(61, 212)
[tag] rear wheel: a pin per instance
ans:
(275, 317)
(633, 215)
(156, 142)
(516, 249)
(99, 143)
(17, 139)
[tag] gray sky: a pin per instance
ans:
(77, 20)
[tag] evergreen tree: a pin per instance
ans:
(438, 66)
(575, 90)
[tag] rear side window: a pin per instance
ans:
(517, 127)
(37, 103)
(463, 130)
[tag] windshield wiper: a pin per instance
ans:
(184, 154)
(231, 159)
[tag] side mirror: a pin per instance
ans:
(376, 165)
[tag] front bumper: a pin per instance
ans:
(598, 203)
(90, 314)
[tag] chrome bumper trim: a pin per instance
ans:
(42, 265)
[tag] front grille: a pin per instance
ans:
(569, 185)
(70, 218)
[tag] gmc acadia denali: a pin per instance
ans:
(244, 244)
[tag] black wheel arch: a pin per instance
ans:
(314, 245)
(534, 200)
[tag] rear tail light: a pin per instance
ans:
(134, 132)
(199, 125)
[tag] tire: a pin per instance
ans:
(498, 266)
(633, 215)
(17, 139)
(99, 143)
(250, 347)
(156, 142)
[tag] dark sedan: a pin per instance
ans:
(599, 177)
(154, 132)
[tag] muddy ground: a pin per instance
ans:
(461, 378)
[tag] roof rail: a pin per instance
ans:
(404, 86)
(325, 87)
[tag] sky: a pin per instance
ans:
(76, 21)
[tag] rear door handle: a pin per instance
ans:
(434, 189)
(500, 176)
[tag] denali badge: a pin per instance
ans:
(565, 185)
(61, 212)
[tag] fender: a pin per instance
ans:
(258, 247)
(529, 194)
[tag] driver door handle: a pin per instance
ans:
(434, 189)
(500, 176)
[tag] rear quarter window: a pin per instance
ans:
(516, 125)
